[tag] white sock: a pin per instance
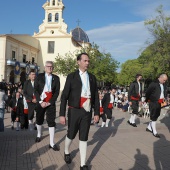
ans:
(103, 123)
(107, 122)
(83, 150)
(39, 130)
(67, 145)
(30, 124)
(131, 118)
(149, 126)
(30, 121)
(51, 132)
(153, 124)
(17, 128)
(12, 124)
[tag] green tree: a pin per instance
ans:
(102, 65)
(128, 71)
(159, 50)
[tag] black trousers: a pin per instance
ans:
(24, 121)
(78, 120)
(13, 116)
(135, 107)
(107, 114)
(155, 109)
(50, 115)
(31, 108)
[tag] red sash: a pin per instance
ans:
(110, 105)
(82, 100)
(33, 97)
(101, 110)
(49, 96)
(14, 109)
(160, 101)
(135, 98)
(25, 111)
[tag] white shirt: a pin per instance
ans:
(139, 87)
(48, 79)
(162, 91)
(32, 82)
(85, 91)
(47, 87)
(100, 103)
(111, 98)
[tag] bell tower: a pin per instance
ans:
(53, 21)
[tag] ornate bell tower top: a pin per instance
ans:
(53, 17)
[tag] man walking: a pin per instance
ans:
(134, 98)
(108, 103)
(47, 87)
(155, 94)
(28, 92)
(82, 94)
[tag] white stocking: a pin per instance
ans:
(83, 150)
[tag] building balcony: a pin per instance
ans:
(22, 64)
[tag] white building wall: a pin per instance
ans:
(2, 57)
(62, 46)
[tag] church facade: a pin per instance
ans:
(21, 53)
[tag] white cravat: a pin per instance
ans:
(162, 91)
(85, 92)
(100, 103)
(139, 87)
(48, 79)
(32, 82)
(111, 98)
(47, 87)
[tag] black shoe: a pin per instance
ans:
(12, 127)
(148, 130)
(67, 158)
(134, 124)
(37, 139)
(129, 122)
(85, 167)
(55, 147)
(156, 135)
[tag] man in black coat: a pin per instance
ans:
(28, 92)
(81, 93)
(134, 98)
(13, 105)
(156, 95)
(108, 103)
(47, 87)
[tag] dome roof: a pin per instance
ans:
(79, 35)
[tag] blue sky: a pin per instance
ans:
(117, 26)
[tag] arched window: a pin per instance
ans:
(53, 2)
(49, 17)
(56, 17)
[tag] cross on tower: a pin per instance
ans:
(78, 21)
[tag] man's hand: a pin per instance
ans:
(140, 103)
(96, 118)
(47, 104)
(62, 120)
(130, 103)
(34, 100)
(43, 104)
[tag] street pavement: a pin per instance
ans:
(118, 147)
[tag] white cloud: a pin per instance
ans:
(123, 40)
